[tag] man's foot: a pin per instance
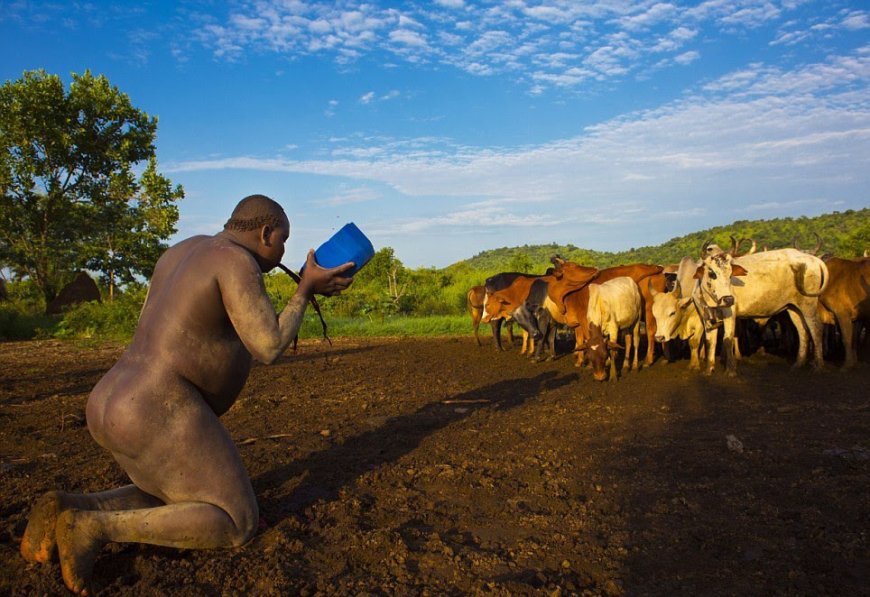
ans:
(38, 543)
(78, 543)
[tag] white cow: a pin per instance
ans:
(759, 286)
(677, 318)
(614, 307)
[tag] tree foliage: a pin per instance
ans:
(69, 197)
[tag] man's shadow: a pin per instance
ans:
(324, 473)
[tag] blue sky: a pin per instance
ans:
(449, 127)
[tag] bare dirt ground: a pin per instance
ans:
(411, 467)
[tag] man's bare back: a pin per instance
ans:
(206, 316)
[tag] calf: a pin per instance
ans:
(614, 308)
(677, 318)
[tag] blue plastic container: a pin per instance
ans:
(348, 244)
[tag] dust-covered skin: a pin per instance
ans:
(397, 466)
(206, 318)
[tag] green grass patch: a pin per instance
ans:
(344, 327)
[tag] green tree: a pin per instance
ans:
(857, 242)
(383, 281)
(521, 262)
(67, 185)
(135, 219)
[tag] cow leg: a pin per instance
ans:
(496, 333)
(579, 340)
(551, 340)
(650, 335)
(694, 349)
(728, 339)
(475, 323)
(614, 353)
(810, 316)
(635, 364)
(803, 341)
(847, 332)
(510, 331)
(712, 339)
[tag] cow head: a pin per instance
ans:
(668, 309)
(714, 273)
(598, 349)
(495, 306)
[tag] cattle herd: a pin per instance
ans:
(699, 301)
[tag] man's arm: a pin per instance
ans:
(244, 295)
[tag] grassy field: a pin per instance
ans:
(433, 325)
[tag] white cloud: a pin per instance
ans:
(856, 20)
(687, 57)
(409, 38)
(351, 195)
(367, 97)
(653, 15)
(761, 136)
(540, 44)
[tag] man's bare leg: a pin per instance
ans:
(38, 543)
(206, 498)
(81, 534)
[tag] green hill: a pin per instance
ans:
(845, 234)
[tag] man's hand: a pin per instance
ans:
(328, 282)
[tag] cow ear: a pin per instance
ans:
(738, 270)
(699, 273)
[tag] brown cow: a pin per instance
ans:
(474, 300)
(575, 304)
(846, 297)
(500, 304)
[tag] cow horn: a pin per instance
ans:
(704, 248)
(735, 247)
(752, 248)
(794, 243)
(557, 260)
(818, 243)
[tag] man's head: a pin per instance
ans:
(261, 225)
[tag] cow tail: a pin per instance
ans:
(800, 270)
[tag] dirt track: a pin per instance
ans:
(404, 467)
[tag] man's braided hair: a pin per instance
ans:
(254, 212)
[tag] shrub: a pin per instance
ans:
(106, 321)
(20, 324)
